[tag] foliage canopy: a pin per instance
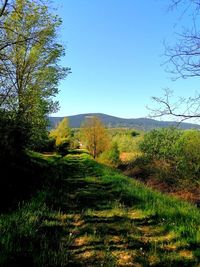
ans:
(94, 136)
(29, 69)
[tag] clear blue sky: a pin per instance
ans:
(115, 50)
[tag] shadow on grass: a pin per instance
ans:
(88, 221)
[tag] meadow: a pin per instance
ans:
(87, 214)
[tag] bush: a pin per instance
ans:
(127, 141)
(48, 145)
(14, 136)
(189, 144)
(161, 143)
(134, 133)
(111, 157)
(74, 143)
(174, 154)
(64, 147)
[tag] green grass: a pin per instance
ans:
(87, 214)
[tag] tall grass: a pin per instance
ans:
(86, 214)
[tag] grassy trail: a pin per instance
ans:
(94, 216)
(111, 228)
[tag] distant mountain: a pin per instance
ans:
(145, 124)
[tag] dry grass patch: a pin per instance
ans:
(187, 254)
(125, 258)
(163, 238)
(84, 240)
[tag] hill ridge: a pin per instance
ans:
(146, 124)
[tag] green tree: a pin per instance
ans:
(111, 156)
(62, 132)
(161, 143)
(94, 136)
(29, 69)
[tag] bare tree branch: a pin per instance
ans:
(183, 108)
(2, 10)
(183, 61)
(184, 57)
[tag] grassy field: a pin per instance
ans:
(86, 214)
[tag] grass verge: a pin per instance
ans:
(86, 214)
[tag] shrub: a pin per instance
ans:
(64, 147)
(134, 133)
(61, 132)
(127, 142)
(48, 145)
(111, 156)
(189, 144)
(161, 143)
(74, 143)
(174, 154)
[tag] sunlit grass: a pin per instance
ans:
(91, 215)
